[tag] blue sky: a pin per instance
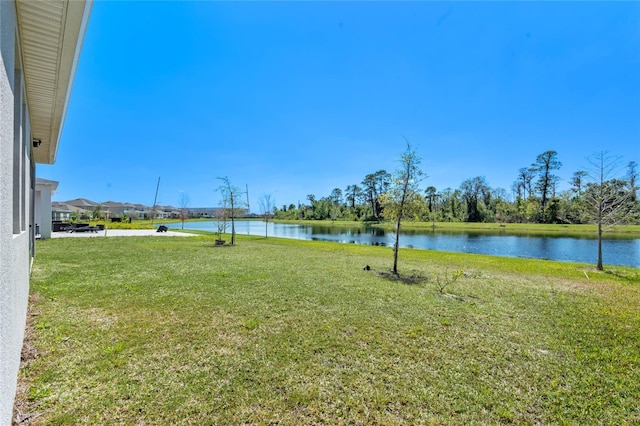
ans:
(293, 98)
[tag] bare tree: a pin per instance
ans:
(231, 199)
(183, 203)
(608, 200)
(221, 216)
(266, 206)
(403, 199)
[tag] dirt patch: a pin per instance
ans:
(23, 411)
(405, 279)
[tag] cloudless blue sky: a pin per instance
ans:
(293, 98)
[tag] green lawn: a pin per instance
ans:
(179, 331)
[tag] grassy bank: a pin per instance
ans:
(507, 228)
(632, 231)
(177, 330)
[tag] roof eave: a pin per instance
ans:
(51, 36)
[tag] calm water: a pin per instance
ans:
(616, 251)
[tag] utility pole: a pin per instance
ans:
(248, 208)
(155, 199)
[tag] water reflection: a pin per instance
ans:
(580, 248)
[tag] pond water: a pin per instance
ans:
(616, 251)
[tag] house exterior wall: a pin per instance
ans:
(53, 32)
(42, 205)
(15, 211)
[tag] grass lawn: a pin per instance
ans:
(179, 331)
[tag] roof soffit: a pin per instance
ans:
(51, 34)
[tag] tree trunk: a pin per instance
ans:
(403, 199)
(396, 246)
(233, 224)
(599, 266)
(233, 231)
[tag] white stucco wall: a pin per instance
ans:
(44, 192)
(38, 212)
(14, 247)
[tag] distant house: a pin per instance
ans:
(83, 208)
(83, 203)
(169, 212)
(137, 211)
(64, 212)
(115, 208)
(87, 209)
(42, 206)
(40, 45)
(210, 212)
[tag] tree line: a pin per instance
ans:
(534, 197)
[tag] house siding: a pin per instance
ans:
(15, 232)
(17, 155)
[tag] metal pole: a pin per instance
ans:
(155, 199)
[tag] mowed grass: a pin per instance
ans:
(272, 331)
